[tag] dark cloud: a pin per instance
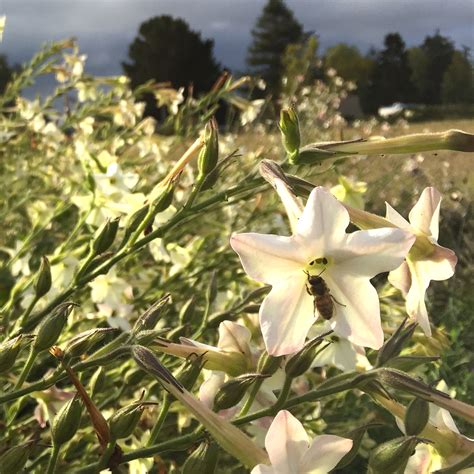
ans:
(104, 28)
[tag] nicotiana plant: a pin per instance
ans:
(174, 301)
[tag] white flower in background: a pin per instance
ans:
(86, 91)
(350, 192)
(87, 125)
(252, 111)
(21, 266)
(127, 112)
(291, 451)
(413, 276)
(112, 295)
(3, 19)
(112, 197)
(319, 244)
(170, 98)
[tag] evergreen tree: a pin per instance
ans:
(458, 84)
(166, 49)
(275, 29)
(6, 72)
(391, 77)
(439, 52)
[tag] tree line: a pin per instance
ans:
(168, 50)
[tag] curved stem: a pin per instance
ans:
(160, 420)
(26, 369)
(53, 459)
(283, 396)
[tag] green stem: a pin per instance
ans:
(283, 396)
(26, 369)
(251, 397)
(160, 420)
(28, 311)
(53, 459)
(104, 459)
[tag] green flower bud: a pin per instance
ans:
(9, 351)
(106, 236)
(189, 372)
(43, 278)
(203, 459)
(80, 344)
(395, 343)
(123, 422)
(66, 422)
(209, 153)
(51, 327)
(148, 336)
(267, 364)
(186, 313)
(152, 315)
(134, 221)
(97, 381)
(392, 456)
(416, 416)
(302, 360)
(290, 132)
(14, 459)
(164, 198)
(233, 391)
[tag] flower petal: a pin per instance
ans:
(234, 337)
(286, 316)
(286, 442)
(324, 454)
(292, 204)
(415, 299)
(425, 213)
(397, 219)
(268, 258)
(357, 311)
(262, 469)
(323, 223)
(370, 252)
(210, 386)
(400, 278)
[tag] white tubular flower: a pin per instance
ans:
(232, 354)
(421, 266)
(291, 452)
(320, 245)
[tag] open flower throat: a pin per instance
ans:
(321, 248)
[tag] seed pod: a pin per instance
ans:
(209, 154)
(123, 422)
(14, 459)
(97, 381)
(9, 351)
(302, 360)
(43, 279)
(392, 456)
(290, 131)
(416, 416)
(66, 422)
(267, 364)
(51, 327)
(233, 391)
(134, 221)
(203, 459)
(106, 236)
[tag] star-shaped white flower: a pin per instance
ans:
(320, 245)
(291, 452)
(436, 263)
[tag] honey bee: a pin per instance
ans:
(323, 300)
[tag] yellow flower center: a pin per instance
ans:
(318, 265)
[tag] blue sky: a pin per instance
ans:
(104, 28)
